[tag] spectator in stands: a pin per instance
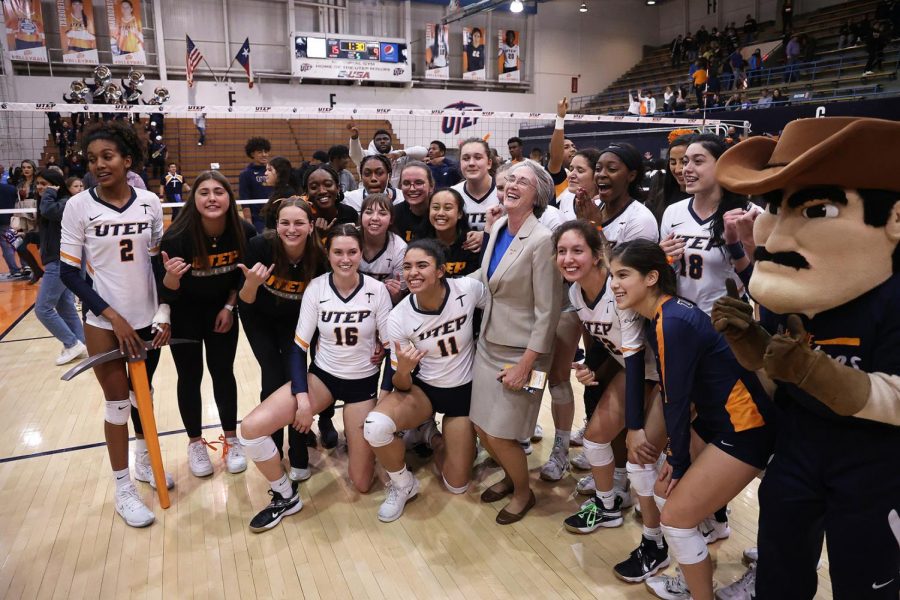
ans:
(8, 198)
(251, 183)
(172, 188)
(726, 77)
(690, 47)
(875, 49)
(792, 56)
(680, 100)
(778, 98)
(737, 64)
(787, 16)
(863, 30)
(648, 102)
(676, 51)
(668, 100)
(732, 35)
(382, 144)
(700, 78)
(634, 104)
(734, 101)
(702, 36)
(339, 159)
(514, 145)
(750, 30)
(200, 124)
(444, 171)
(157, 151)
(754, 66)
(319, 157)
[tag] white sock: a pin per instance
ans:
(282, 486)
(607, 498)
(402, 478)
(123, 478)
(140, 446)
(655, 534)
(562, 439)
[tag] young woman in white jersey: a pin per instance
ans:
(375, 176)
(708, 237)
(350, 313)
(114, 230)
(630, 399)
(432, 335)
(382, 249)
(477, 188)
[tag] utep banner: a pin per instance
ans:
(25, 37)
(474, 52)
(77, 34)
(508, 61)
(126, 32)
(437, 51)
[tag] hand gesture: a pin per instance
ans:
(745, 228)
(493, 213)
(408, 357)
(395, 289)
(585, 208)
(354, 130)
(562, 107)
(673, 247)
(732, 230)
(584, 375)
(324, 225)
(258, 275)
(788, 356)
(175, 265)
(733, 318)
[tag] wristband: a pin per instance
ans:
(229, 307)
(560, 123)
(736, 251)
(163, 315)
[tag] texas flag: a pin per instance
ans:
(243, 57)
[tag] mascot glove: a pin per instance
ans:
(733, 318)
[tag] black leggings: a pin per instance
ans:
(196, 323)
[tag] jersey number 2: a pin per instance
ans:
(346, 337)
(126, 250)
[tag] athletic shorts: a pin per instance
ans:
(751, 446)
(451, 402)
(349, 391)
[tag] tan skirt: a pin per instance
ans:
(501, 412)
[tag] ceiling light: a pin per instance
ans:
(516, 6)
(651, 2)
(583, 7)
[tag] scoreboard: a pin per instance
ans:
(335, 56)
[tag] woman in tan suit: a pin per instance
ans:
(517, 332)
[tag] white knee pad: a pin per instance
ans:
(379, 429)
(455, 490)
(660, 502)
(117, 412)
(562, 393)
(686, 545)
(598, 455)
(259, 449)
(642, 477)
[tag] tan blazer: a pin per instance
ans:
(526, 290)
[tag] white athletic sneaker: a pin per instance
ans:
(144, 472)
(397, 497)
(538, 434)
(198, 459)
(577, 438)
(580, 462)
(526, 446)
(751, 555)
(586, 486)
(131, 508)
(296, 474)
(714, 531)
(668, 587)
(556, 466)
(235, 461)
(622, 488)
(742, 589)
(69, 354)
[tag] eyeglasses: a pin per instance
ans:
(521, 182)
(413, 184)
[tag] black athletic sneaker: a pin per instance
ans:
(328, 434)
(594, 515)
(644, 562)
(277, 509)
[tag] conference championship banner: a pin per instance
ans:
(437, 51)
(25, 30)
(508, 62)
(126, 32)
(77, 34)
(473, 53)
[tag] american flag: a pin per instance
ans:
(193, 60)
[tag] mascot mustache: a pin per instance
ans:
(794, 260)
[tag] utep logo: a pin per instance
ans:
(382, 111)
(325, 109)
(45, 105)
(399, 71)
(196, 107)
(263, 108)
(305, 67)
(455, 124)
(121, 106)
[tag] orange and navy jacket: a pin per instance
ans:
(697, 367)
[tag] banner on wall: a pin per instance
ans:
(126, 32)
(25, 30)
(473, 53)
(508, 61)
(77, 34)
(437, 51)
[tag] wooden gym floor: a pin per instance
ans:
(61, 538)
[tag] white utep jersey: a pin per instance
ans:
(566, 202)
(476, 208)
(552, 218)
(354, 199)
(703, 268)
(116, 246)
(388, 263)
(510, 55)
(633, 223)
(447, 334)
(347, 326)
(620, 331)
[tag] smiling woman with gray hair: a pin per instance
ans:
(517, 333)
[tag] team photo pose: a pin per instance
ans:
(375, 177)
(417, 185)
(477, 187)
(447, 223)
(323, 191)
(114, 230)
(278, 267)
(432, 335)
(383, 250)
(349, 311)
(697, 372)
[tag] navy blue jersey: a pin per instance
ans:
(864, 333)
(252, 186)
(697, 367)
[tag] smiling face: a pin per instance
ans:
(420, 271)
(107, 163)
(630, 287)
(40, 184)
(375, 219)
(803, 230)
(612, 177)
(474, 161)
(699, 170)
(344, 255)
(574, 257)
(444, 212)
(211, 199)
(676, 166)
(521, 192)
(322, 189)
(293, 227)
(415, 185)
(581, 175)
(374, 176)
(569, 151)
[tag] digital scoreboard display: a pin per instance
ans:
(331, 56)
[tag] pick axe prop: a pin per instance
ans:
(137, 370)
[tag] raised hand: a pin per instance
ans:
(257, 275)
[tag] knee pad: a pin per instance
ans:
(562, 393)
(259, 449)
(379, 429)
(642, 478)
(117, 412)
(455, 490)
(598, 455)
(660, 502)
(686, 545)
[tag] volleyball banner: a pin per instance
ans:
(473, 53)
(437, 51)
(508, 61)
(25, 37)
(126, 39)
(77, 35)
